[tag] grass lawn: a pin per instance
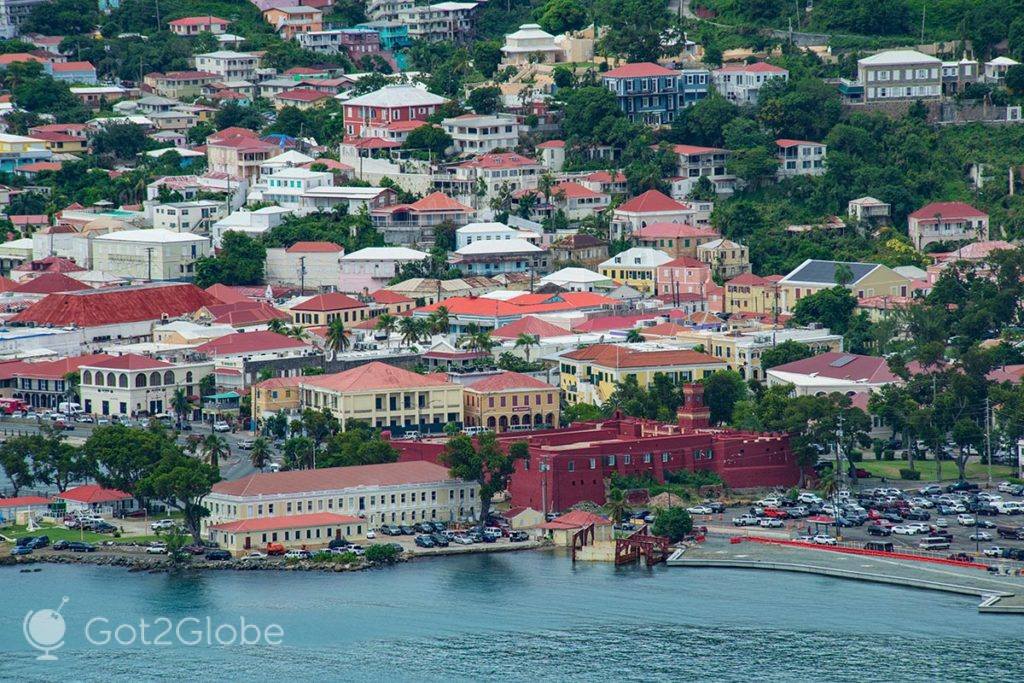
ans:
(890, 469)
(61, 533)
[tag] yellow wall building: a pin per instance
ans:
(741, 351)
(865, 280)
(754, 294)
(511, 400)
(274, 395)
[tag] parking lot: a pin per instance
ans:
(892, 509)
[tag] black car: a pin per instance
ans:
(61, 545)
(439, 527)
(440, 540)
(518, 536)
(876, 530)
(984, 524)
(962, 486)
(424, 541)
(104, 528)
(893, 517)
(81, 547)
(917, 515)
(407, 530)
(344, 543)
(985, 510)
(490, 537)
(39, 542)
(218, 554)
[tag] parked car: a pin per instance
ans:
(424, 541)
(904, 530)
(21, 550)
(980, 536)
(298, 554)
(994, 551)
(490, 537)
(746, 520)
(772, 523)
(221, 426)
(824, 539)
(518, 536)
(463, 539)
(81, 547)
(275, 549)
(156, 548)
(162, 525)
(941, 523)
(878, 530)
(700, 510)
(917, 515)
(218, 554)
(984, 524)
(408, 530)
(440, 540)
(255, 556)
(246, 444)
(966, 520)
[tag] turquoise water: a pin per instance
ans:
(519, 616)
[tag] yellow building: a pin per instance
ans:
(724, 257)
(17, 150)
(636, 267)
(308, 508)
(754, 294)
(590, 374)
(274, 395)
(386, 396)
(511, 400)
(741, 351)
(865, 280)
(324, 309)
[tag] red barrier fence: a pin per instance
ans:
(866, 552)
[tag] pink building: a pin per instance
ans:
(193, 26)
(389, 104)
(684, 275)
(946, 222)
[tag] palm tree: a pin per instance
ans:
(278, 325)
(828, 483)
(296, 332)
(260, 454)
(180, 404)
(386, 323)
(440, 320)
(410, 330)
(215, 448)
(544, 184)
(525, 341)
(476, 339)
(635, 336)
(617, 505)
(337, 338)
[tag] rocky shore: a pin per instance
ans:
(148, 563)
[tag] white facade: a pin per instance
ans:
(197, 216)
(154, 254)
(442, 21)
(800, 157)
(129, 385)
(578, 280)
(900, 75)
(322, 268)
(481, 232)
(530, 45)
(236, 66)
(287, 186)
(478, 134)
(371, 268)
(742, 84)
(252, 223)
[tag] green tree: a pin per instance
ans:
(967, 436)
(122, 141)
(634, 336)
(62, 18)
(526, 341)
(182, 483)
(215, 448)
(786, 352)
(831, 307)
(559, 16)
(337, 339)
(617, 506)
(485, 100)
(674, 523)
(722, 390)
(16, 461)
(486, 56)
(240, 262)
(123, 456)
(590, 113)
(1014, 79)
(428, 138)
(754, 165)
(57, 463)
(259, 456)
(381, 553)
(704, 123)
(484, 463)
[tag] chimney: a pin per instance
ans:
(693, 414)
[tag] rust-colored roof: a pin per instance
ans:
(249, 342)
(242, 313)
(651, 201)
(439, 201)
(129, 361)
(385, 296)
(94, 307)
(334, 478)
(286, 522)
(314, 247)
(332, 301)
(48, 283)
(524, 304)
(674, 231)
(48, 369)
(508, 381)
(93, 493)
(375, 375)
(529, 325)
(225, 294)
(612, 356)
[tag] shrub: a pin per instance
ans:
(674, 523)
(912, 475)
(381, 554)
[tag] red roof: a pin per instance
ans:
(652, 201)
(94, 307)
(56, 137)
(93, 493)
(48, 283)
(23, 501)
(663, 330)
(948, 211)
(639, 70)
(185, 75)
(612, 322)
(375, 375)
(51, 264)
(332, 301)
(280, 382)
(7, 284)
(302, 95)
(198, 21)
(439, 201)
(72, 66)
(385, 296)
(525, 304)
(695, 149)
(248, 342)
(552, 144)
(606, 177)
(243, 313)
(508, 381)
(286, 522)
(674, 230)
(576, 519)
(684, 262)
(786, 142)
(747, 280)
(129, 361)
(317, 247)
(499, 160)
(39, 167)
(334, 478)
(302, 71)
(838, 365)
(48, 369)
(12, 57)
(612, 356)
(756, 67)
(529, 325)
(226, 294)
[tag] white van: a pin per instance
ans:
(69, 408)
(474, 431)
(934, 543)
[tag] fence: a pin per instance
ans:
(853, 550)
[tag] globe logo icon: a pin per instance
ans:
(44, 630)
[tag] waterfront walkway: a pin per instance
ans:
(999, 593)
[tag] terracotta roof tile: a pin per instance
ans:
(334, 478)
(95, 307)
(286, 522)
(508, 381)
(93, 493)
(249, 342)
(651, 201)
(332, 301)
(375, 375)
(529, 325)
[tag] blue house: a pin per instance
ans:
(652, 94)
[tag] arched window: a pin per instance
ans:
(140, 379)
(111, 380)
(188, 377)
(168, 377)
(154, 379)
(87, 377)
(99, 379)
(122, 380)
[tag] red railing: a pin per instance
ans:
(868, 553)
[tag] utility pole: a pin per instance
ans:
(302, 275)
(988, 439)
(149, 264)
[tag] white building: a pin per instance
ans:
(485, 232)
(800, 157)
(370, 269)
(253, 223)
(531, 45)
(236, 66)
(353, 199)
(314, 265)
(196, 216)
(286, 187)
(133, 384)
(475, 134)
(741, 83)
(154, 254)
(289, 159)
(995, 69)
(442, 21)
